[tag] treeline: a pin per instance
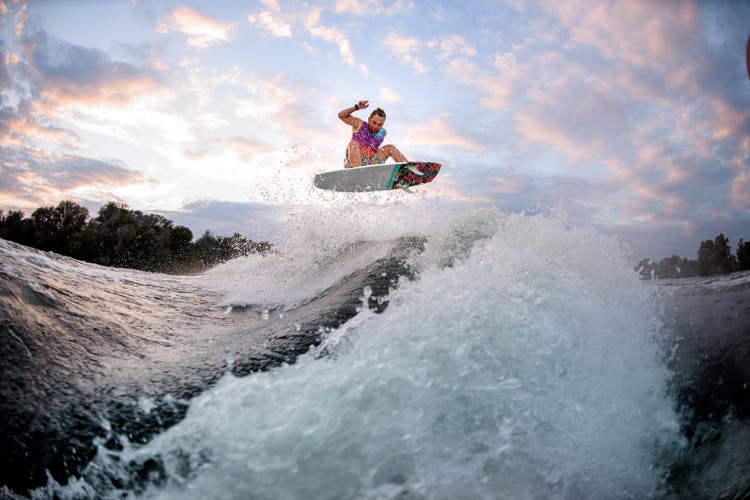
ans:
(714, 257)
(121, 237)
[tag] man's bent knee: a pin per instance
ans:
(391, 151)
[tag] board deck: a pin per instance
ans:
(378, 177)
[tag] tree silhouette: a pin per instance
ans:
(715, 257)
(59, 228)
(119, 236)
(743, 255)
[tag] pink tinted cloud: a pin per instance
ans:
(638, 32)
(740, 191)
(330, 34)
(202, 31)
(245, 148)
(507, 185)
(371, 7)
(439, 132)
(496, 88)
(19, 130)
(17, 10)
(451, 46)
(32, 178)
(406, 49)
(658, 109)
(64, 74)
(272, 23)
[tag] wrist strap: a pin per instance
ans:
(356, 107)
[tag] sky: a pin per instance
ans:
(631, 116)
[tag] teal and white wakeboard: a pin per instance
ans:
(378, 177)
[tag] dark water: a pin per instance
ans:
(490, 360)
(708, 335)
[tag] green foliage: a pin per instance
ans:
(58, 229)
(121, 237)
(714, 257)
(14, 227)
(743, 255)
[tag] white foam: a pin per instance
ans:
(527, 369)
(320, 246)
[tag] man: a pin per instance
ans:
(364, 148)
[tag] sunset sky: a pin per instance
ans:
(630, 116)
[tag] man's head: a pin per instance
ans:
(376, 120)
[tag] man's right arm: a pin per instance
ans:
(346, 114)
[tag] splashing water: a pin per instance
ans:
(521, 365)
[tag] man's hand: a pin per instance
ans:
(363, 104)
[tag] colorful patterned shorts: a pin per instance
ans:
(365, 160)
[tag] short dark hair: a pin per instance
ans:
(378, 112)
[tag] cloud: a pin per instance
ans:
(372, 7)
(496, 88)
(455, 56)
(62, 74)
(283, 105)
(452, 51)
(508, 185)
(201, 30)
(641, 33)
(19, 127)
(17, 10)
(405, 48)
(451, 46)
(330, 34)
(34, 178)
(10, 58)
(273, 5)
(389, 95)
(649, 97)
(268, 21)
(359, 7)
(439, 133)
(7, 58)
(38, 160)
(256, 221)
(275, 92)
(740, 191)
(246, 149)
(576, 112)
(271, 20)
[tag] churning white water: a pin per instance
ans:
(520, 364)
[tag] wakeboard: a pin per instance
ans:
(378, 177)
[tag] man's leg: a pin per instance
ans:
(353, 155)
(390, 151)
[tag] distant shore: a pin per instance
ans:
(121, 237)
(714, 257)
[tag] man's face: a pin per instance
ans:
(375, 123)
